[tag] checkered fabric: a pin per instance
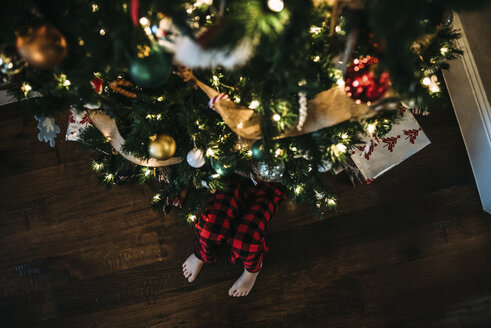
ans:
(239, 216)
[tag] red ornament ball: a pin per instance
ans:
(362, 83)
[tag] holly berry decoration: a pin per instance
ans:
(152, 68)
(363, 84)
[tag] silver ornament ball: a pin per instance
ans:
(195, 158)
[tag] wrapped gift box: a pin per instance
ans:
(378, 155)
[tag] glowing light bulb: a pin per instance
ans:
(97, 166)
(298, 190)
(191, 218)
(426, 81)
(144, 21)
(315, 29)
(443, 50)
(26, 87)
(102, 31)
(434, 88)
(276, 5)
(254, 104)
(210, 152)
(371, 128)
(331, 201)
(276, 117)
(67, 83)
(341, 148)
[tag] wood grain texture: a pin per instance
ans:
(412, 249)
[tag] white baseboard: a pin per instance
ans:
(473, 113)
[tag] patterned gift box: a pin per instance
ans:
(377, 156)
(77, 121)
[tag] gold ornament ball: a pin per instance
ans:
(162, 146)
(42, 46)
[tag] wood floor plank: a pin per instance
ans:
(413, 249)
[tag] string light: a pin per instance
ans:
(102, 31)
(344, 136)
(254, 104)
(26, 88)
(371, 129)
(157, 117)
(109, 177)
(331, 202)
(144, 21)
(95, 7)
(431, 83)
(276, 5)
(315, 29)
(316, 59)
(156, 198)
(191, 218)
(338, 149)
(97, 166)
(146, 171)
(443, 50)
(210, 152)
(298, 190)
(276, 117)
(434, 88)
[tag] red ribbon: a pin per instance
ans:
(135, 4)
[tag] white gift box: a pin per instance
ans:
(378, 155)
(77, 122)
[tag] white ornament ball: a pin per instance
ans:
(195, 158)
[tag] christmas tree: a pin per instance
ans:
(188, 92)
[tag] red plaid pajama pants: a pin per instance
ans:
(238, 216)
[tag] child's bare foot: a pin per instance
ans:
(244, 284)
(192, 267)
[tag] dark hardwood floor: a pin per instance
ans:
(412, 249)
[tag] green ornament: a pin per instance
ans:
(221, 168)
(151, 71)
(257, 150)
